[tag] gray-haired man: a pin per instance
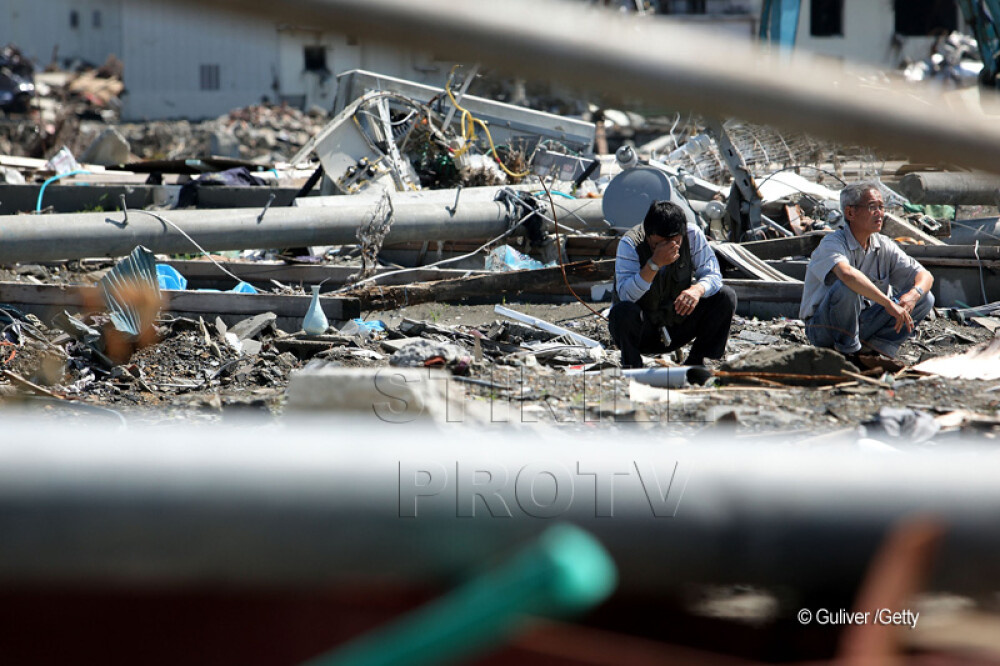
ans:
(862, 292)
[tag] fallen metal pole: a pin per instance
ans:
(290, 506)
(964, 189)
(415, 218)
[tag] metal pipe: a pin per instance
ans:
(408, 503)
(962, 189)
(415, 218)
(667, 65)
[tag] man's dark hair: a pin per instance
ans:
(664, 218)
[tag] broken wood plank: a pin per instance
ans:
(779, 248)
(948, 262)
(781, 376)
(868, 380)
(749, 263)
(494, 284)
(989, 323)
(262, 272)
(984, 252)
(766, 291)
(180, 302)
(29, 386)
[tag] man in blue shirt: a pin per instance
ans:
(669, 291)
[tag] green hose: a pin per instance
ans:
(563, 572)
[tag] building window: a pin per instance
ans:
(96, 18)
(918, 18)
(315, 57)
(210, 77)
(74, 19)
(826, 18)
(680, 6)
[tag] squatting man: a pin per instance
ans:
(862, 293)
(669, 291)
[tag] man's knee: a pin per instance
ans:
(841, 301)
(923, 306)
(727, 300)
(624, 315)
(722, 303)
(724, 298)
(623, 311)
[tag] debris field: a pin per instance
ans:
(395, 291)
(421, 271)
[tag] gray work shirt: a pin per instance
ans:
(890, 269)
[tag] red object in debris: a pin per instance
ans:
(13, 352)
(434, 361)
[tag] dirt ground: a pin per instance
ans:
(189, 375)
(792, 412)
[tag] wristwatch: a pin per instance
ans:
(919, 291)
(652, 265)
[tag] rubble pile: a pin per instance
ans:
(528, 375)
(263, 133)
(556, 210)
(429, 256)
(17, 87)
(47, 107)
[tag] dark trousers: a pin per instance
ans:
(708, 326)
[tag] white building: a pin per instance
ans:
(883, 33)
(186, 61)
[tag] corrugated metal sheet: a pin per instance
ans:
(128, 288)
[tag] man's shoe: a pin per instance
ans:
(854, 358)
(865, 361)
(875, 361)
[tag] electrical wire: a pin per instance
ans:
(579, 217)
(562, 194)
(467, 137)
(58, 176)
(978, 230)
(982, 280)
(559, 254)
(193, 241)
(802, 166)
(511, 230)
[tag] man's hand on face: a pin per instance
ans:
(666, 251)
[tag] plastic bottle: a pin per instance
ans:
(315, 322)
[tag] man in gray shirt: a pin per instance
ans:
(862, 292)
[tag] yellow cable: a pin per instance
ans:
(496, 157)
(471, 135)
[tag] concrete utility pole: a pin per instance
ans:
(417, 216)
